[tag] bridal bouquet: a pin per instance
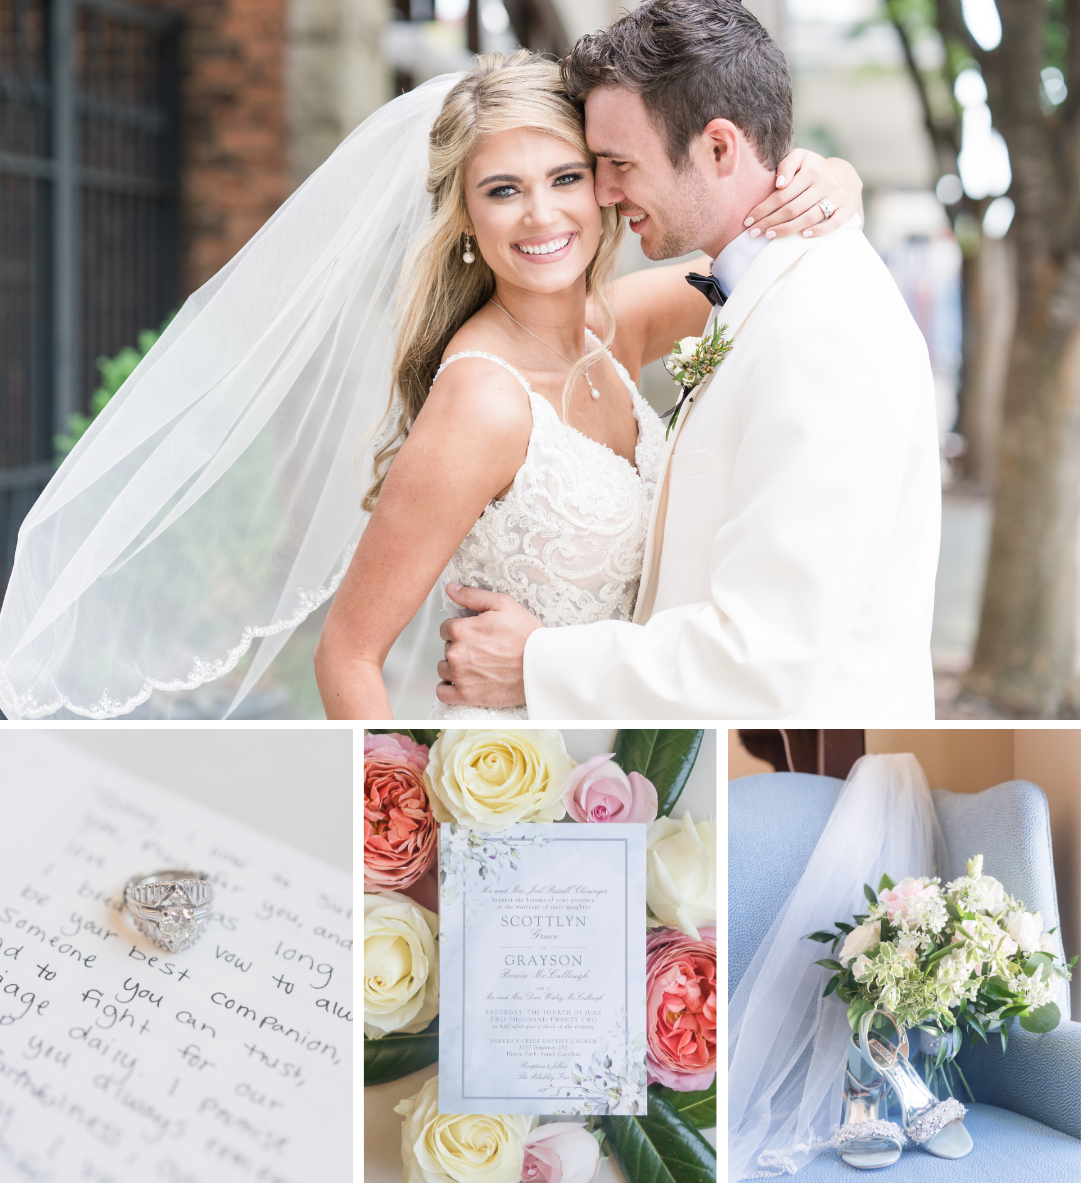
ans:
(486, 780)
(967, 957)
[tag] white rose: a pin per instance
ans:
(1047, 944)
(681, 873)
(861, 939)
(459, 1147)
(490, 779)
(401, 965)
(859, 967)
(995, 893)
(1025, 929)
(686, 348)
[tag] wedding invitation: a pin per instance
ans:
(542, 970)
(231, 1060)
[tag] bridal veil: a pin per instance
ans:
(786, 1043)
(215, 502)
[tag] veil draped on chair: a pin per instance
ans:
(215, 502)
(786, 1043)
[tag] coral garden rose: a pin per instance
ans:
(681, 874)
(681, 1009)
(459, 1147)
(560, 1153)
(491, 779)
(399, 829)
(401, 965)
(599, 791)
(860, 940)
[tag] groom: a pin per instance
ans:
(790, 562)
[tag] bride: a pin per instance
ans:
(223, 494)
(525, 458)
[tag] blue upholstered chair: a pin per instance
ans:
(1026, 1120)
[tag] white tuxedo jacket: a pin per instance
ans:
(791, 557)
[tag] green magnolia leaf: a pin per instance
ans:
(425, 736)
(400, 1054)
(886, 882)
(659, 1146)
(1041, 1019)
(698, 1107)
(664, 756)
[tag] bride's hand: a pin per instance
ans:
(803, 180)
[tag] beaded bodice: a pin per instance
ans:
(567, 539)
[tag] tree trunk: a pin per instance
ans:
(1026, 653)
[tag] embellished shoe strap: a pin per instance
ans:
(874, 1129)
(928, 1125)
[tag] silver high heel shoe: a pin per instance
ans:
(933, 1125)
(866, 1139)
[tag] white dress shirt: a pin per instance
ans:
(729, 266)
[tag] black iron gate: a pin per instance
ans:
(89, 242)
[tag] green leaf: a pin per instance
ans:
(1016, 1009)
(1036, 960)
(952, 911)
(886, 882)
(829, 964)
(938, 955)
(998, 987)
(1041, 1019)
(870, 893)
(664, 756)
(856, 1011)
(400, 1053)
(659, 1146)
(698, 1107)
(425, 736)
(819, 935)
(831, 985)
(843, 927)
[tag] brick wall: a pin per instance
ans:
(234, 165)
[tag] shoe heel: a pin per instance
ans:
(866, 1138)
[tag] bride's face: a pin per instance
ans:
(532, 209)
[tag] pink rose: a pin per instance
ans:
(681, 1008)
(898, 900)
(560, 1151)
(599, 791)
(399, 830)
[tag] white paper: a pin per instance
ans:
(542, 970)
(231, 1060)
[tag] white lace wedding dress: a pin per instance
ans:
(568, 538)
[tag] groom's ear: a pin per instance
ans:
(720, 145)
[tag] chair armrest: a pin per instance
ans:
(1037, 1076)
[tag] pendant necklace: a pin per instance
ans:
(585, 373)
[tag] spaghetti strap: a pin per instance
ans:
(471, 353)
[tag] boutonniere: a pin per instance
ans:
(691, 362)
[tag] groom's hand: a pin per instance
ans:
(482, 663)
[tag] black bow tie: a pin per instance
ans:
(708, 286)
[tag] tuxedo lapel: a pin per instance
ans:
(760, 277)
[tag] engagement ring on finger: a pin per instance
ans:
(170, 907)
(827, 207)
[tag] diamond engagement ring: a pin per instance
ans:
(827, 207)
(170, 907)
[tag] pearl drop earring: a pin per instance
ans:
(467, 256)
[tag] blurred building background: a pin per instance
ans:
(142, 144)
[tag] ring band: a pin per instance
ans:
(827, 207)
(170, 907)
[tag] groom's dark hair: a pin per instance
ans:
(692, 61)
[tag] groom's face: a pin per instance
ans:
(668, 208)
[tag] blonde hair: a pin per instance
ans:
(438, 292)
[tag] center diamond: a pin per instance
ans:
(177, 927)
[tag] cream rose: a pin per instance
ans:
(995, 893)
(459, 1147)
(860, 940)
(1026, 929)
(401, 965)
(681, 874)
(860, 966)
(492, 779)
